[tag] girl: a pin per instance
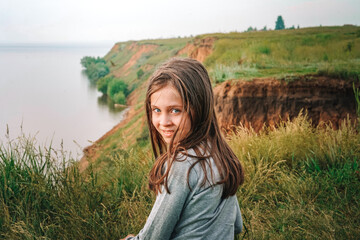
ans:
(196, 174)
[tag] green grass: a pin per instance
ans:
(43, 195)
(301, 183)
(274, 53)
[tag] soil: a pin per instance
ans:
(138, 50)
(199, 49)
(268, 101)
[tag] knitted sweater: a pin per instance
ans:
(196, 213)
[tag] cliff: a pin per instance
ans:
(267, 101)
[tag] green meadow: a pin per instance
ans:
(301, 181)
(333, 51)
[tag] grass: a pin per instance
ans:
(274, 53)
(301, 183)
(43, 195)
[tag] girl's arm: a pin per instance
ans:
(167, 208)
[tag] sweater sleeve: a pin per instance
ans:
(167, 207)
(239, 220)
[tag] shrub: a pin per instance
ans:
(119, 98)
(140, 73)
(264, 50)
(102, 84)
(117, 90)
(96, 68)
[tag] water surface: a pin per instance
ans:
(44, 93)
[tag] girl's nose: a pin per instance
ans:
(165, 119)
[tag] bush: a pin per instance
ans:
(117, 90)
(264, 50)
(116, 86)
(96, 68)
(140, 73)
(87, 61)
(119, 98)
(102, 84)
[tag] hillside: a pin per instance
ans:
(278, 60)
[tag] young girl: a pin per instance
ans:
(196, 174)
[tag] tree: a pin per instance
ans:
(279, 23)
(115, 86)
(102, 84)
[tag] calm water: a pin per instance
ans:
(44, 91)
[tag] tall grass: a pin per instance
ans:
(42, 199)
(301, 183)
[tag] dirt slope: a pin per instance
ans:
(267, 101)
(199, 49)
(137, 50)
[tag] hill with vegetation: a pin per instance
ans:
(302, 180)
(285, 55)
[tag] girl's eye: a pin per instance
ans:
(175, 110)
(156, 110)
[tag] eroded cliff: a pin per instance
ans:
(267, 101)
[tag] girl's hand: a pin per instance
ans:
(130, 235)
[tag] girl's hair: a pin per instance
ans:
(190, 78)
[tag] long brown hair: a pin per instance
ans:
(190, 78)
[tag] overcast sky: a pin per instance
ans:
(110, 21)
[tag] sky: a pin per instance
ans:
(110, 21)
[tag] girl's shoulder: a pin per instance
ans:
(198, 164)
(184, 160)
(189, 158)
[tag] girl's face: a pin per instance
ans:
(168, 114)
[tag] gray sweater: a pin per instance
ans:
(199, 213)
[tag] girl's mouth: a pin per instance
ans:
(167, 133)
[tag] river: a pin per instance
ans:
(45, 94)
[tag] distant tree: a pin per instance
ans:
(264, 28)
(292, 27)
(298, 27)
(95, 68)
(250, 29)
(279, 23)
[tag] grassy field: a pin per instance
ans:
(287, 52)
(301, 182)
